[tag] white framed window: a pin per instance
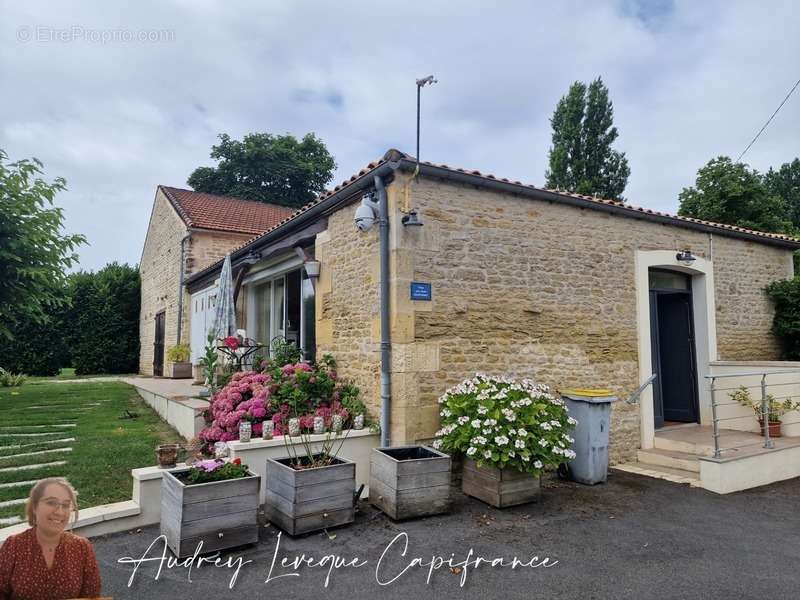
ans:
(281, 305)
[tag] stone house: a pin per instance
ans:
(188, 231)
(508, 278)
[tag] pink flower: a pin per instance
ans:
(231, 342)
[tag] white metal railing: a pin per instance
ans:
(764, 412)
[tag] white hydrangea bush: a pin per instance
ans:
(507, 424)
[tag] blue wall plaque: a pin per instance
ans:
(420, 291)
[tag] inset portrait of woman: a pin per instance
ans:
(46, 562)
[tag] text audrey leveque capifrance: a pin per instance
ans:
(385, 570)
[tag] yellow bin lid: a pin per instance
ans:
(586, 392)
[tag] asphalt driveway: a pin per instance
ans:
(633, 537)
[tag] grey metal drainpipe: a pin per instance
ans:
(386, 339)
(180, 286)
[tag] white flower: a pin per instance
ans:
(487, 454)
(521, 432)
(557, 450)
(555, 423)
(537, 464)
(463, 420)
(476, 423)
(512, 432)
(569, 454)
(487, 431)
(437, 444)
(501, 440)
(482, 410)
(526, 458)
(519, 444)
(543, 443)
(490, 422)
(572, 421)
(546, 426)
(471, 450)
(511, 454)
(566, 438)
(445, 412)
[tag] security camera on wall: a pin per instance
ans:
(366, 213)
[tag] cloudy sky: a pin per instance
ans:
(117, 115)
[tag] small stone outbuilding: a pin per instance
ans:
(507, 278)
(188, 231)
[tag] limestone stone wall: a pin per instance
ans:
(160, 273)
(535, 289)
(347, 306)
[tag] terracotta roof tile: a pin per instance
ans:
(225, 213)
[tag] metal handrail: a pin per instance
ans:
(764, 413)
(747, 374)
(634, 397)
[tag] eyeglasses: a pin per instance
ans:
(55, 504)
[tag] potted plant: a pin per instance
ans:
(213, 501)
(178, 365)
(774, 407)
(509, 433)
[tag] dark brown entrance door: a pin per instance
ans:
(158, 345)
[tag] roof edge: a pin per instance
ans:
(321, 207)
(609, 206)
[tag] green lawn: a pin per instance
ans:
(68, 373)
(105, 448)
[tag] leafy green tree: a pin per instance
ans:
(731, 193)
(786, 323)
(785, 183)
(278, 169)
(581, 158)
(34, 252)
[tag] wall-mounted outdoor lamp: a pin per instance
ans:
(685, 257)
(312, 268)
(411, 219)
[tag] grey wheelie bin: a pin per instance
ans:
(592, 409)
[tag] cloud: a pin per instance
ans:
(688, 80)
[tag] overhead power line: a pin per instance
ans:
(760, 131)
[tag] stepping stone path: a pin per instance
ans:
(38, 426)
(18, 483)
(4, 434)
(39, 442)
(16, 502)
(35, 453)
(56, 463)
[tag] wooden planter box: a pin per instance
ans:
(179, 370)
(309, 499)
(409, 481)
(499, 487)
(221, 514)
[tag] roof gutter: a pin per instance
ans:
(323, 208)
(519, 189)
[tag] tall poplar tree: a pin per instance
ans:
(581, 157)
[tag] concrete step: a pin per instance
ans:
(666, 473)
(669, 458)
(683, 445)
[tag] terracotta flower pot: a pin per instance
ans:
(167, 455)
(774, 428)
